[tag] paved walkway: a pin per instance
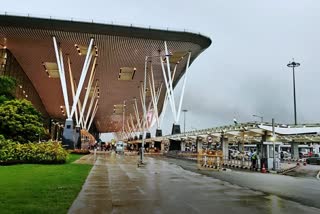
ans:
(116, 185)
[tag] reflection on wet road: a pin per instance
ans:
(116, 185)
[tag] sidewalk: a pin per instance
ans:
(116, 185)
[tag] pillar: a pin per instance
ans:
(225, 147)
(175, 129)
(162, 146)
(77, 137)
(148, 135)
(68, 140)
(294, 150)
(199, 145)
(158, 133)
(183, 146)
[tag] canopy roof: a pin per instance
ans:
(119, 47)
(253, 133)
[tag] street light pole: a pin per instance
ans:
(292, 65)
(261, 117)
(274, 144)
(184, 119)
(123, 117)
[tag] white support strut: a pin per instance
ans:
(154, 96)
(83, 76)
(79, 108)
(90, 82)
(184, 86)
(72, 87)
(170, 79)
(94, 114)
(62, 75)
(91, 104)
(168, 94)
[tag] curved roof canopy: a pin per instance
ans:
(119, 48)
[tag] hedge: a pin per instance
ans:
(48, 152)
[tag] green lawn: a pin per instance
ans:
(35, 188)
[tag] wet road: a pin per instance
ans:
(116, 185)
(310, 171)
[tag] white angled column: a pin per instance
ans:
(94, 114)
(90, 82)
(60, 64)
(184, 86)
(91, 104)
(83, 76)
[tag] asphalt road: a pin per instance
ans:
(303, 190)
(308, 171)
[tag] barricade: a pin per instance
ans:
(214, 160)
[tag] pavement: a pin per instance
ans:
(116, 185)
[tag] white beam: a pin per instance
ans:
(91, 79)
(83, 76)
(94, 114)
(72, 87)
(62, 75)
(91, 104)
(184, 86)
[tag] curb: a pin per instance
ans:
(288, 170)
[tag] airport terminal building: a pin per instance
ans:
(88, 76)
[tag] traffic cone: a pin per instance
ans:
(263, 169)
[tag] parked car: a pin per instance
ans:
(315, 159)
(120, 147)
(286, 154)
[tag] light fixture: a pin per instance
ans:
(51, 68)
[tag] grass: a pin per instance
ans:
(36, 188)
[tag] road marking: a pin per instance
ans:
(318, 175)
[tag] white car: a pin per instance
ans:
(120, 147)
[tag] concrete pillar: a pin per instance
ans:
(199, 145)
(183, 146)
(162, 146)
(158, 133)
(175, 129)
(225, 147)
(294, 150)
(68, 140)
(148, 135)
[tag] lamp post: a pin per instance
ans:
(292, 65)
(184, 119)
(261, 117)
(123, 117)
(274, 144)
(39, 137)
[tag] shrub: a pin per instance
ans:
(20, 121)
(49, 152)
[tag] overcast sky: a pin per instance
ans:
(244, 71)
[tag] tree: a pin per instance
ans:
(7, 85)
(20, 121)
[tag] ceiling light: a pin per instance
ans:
(51, 68)
(126, 73)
